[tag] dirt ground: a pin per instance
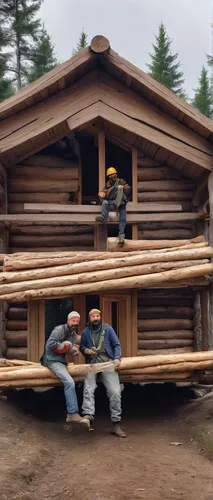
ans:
(43, 458)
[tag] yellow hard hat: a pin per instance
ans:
(111, 171)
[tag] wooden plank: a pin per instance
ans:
(134, 175)
(95, 209)
(100, 237)
(41, 327)
(32, 331)
(90, 218)
(134, 322)
(101, 159)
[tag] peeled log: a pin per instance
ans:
(157, 352)
(165, 334)
(163, 234)
(164, 343)
(165, 196)
(39, 197)
(91, 277)
(112, 244)
(17, 352)
(147, 281)
(157, 173)
(163, 324)
(48, 173)
(165, 185)
(41, 185)
(165, 312)
(16, 339)
(178, 367)
(14, 325)
(16, 313)
(21, 240)
(49, 229)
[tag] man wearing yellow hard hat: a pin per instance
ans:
(99, 344)
(115, 193)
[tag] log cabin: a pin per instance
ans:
(58, 135)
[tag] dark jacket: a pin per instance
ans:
(108, 193)
(58, 335)
(111, 343)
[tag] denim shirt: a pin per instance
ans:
(111, 343)
(58, 335)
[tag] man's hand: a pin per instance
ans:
(117, 363)
(90, 352)
(75, 350)
(120, 187)
(66, 342)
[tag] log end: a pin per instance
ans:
(99, 44)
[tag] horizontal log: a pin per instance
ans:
(2, 195)
(178, 367)
(38, 197)
(164, 343)
(163, 302)
(41, 185)
(165, 234)
(4, 347)
(16, 313)
(147, 281)
(79, 248)
(166, 312)
(16, 339)
(165, 334)
(164, 324)
(60, 240)
(165, 185)
(32, 173)
(152, 226)
(13, 325)
(17, 353)
(112, 244)
(73, 279)
(157, 173)
(40, 160)
(52, 230)
(165, 196)
(165, 352)
(147, 162)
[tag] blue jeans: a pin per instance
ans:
(122, 212)
(69, 386)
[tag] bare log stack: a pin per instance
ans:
(140, 368)
(93, 272)
(15, 336)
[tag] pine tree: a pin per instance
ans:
(42, 56)
(81, 44)
(202, 99)
(18, 19)
(164, 66)
(6, 87)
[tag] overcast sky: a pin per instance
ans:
(131, 25)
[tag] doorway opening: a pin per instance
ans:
(89, 165)
(56, 312)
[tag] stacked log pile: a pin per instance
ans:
(142, 368)
(29, 276)
(15, 336)
(45, 179)
(166, 321)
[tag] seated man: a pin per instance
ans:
(60, 343)
(115, 192)
(99, 343)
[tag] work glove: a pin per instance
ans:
(117, 363)
(90, 352)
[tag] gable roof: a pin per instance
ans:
(69, 97)
(86, 60)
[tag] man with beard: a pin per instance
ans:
(60, 343)
(99, 343)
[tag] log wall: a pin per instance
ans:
(45, 179)
(166, 321)
(15, 335)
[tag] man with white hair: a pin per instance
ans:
(60, 343)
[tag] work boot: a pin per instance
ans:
(99, 218)
(121, 239)
(117, 431)
(74, 419)
(86, 422)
